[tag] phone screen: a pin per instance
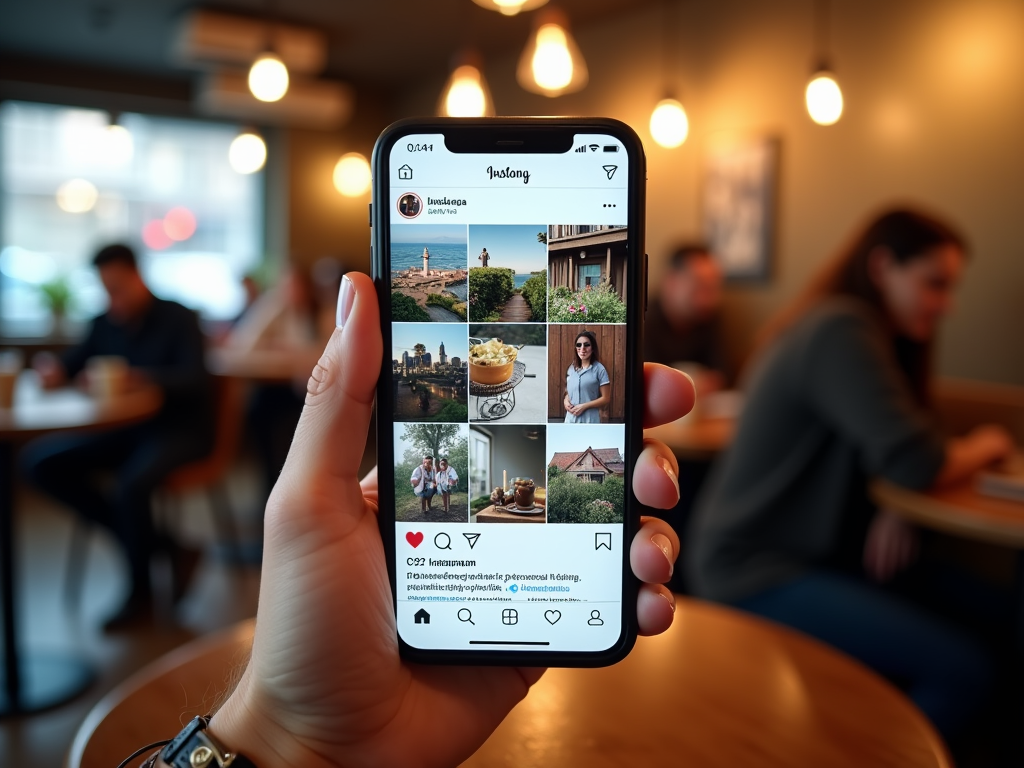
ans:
(509, 393)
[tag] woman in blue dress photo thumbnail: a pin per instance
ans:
(587, 385)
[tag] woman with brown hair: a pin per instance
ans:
(837, 394)
(587, 386)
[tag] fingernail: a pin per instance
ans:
(670, 598)
(669, 470)
(346, 298)
(661, 541)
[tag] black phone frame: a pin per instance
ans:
(516, 135)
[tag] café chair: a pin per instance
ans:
(208, 474)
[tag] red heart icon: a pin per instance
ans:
(414, 538)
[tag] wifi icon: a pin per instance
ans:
(594, 147)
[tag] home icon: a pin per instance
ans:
(421, 617)
(405, 172)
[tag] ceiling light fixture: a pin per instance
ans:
(247, 153)
(352, 175)
(551, 62)
(268, 78)
(669, 124)
(466, 93)
(510, 7)
(823, 96)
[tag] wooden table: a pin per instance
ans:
(959, 510)
(704, 433)
(493, 514)
(719, 689)
(32, 682)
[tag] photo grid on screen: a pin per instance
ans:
(508, 372)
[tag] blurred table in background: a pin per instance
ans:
(719, 689)
(959, 510)
(705, 432)
(264, 365)
(33, 682)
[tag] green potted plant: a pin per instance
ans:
(57, 296)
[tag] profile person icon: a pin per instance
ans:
(410, 205)
(595, 619)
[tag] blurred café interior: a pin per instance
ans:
(831, 184)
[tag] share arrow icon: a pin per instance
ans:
(610, 170)
(471, 538)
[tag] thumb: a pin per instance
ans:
(331, 434)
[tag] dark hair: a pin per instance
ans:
(907, 235)
(594, 358)
(115, 254)
(428, 456)
(687, 252)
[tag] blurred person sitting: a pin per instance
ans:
(162, 344)
(838, 393)
(682, 322)
(285, 317)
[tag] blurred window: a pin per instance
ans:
(70, 184)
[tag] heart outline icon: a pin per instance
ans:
(557, 615)
(414, 538)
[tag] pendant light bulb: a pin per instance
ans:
(510, 7)
(551, 62)
(352, 175)
(466, 94)
(669, 124)
(824, 98)
(268, 78)
(247, 153)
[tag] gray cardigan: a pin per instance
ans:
(826, 406)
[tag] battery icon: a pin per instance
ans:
(612, 148)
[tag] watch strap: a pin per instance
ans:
(193, 747)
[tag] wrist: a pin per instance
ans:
(244, 726)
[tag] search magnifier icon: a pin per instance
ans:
(465, 614)
(443, 541)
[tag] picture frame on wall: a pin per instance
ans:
(739, 201)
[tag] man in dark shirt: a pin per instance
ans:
(162, 344)
(682, 323)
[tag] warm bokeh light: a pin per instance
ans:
(118, 147)
(77, 196)
(154, 236)
(510, 7)
(179, 223)
(551, 62)
(247, 153)
(268, 78)
(669, 124)
(824, 99)
(466, 94)
(352, 175)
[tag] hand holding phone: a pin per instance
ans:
(324, 684)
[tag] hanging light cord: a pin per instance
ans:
(669, 45)
(821, 27)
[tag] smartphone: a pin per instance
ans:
(508, 254)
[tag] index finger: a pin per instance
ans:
(668, 394)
